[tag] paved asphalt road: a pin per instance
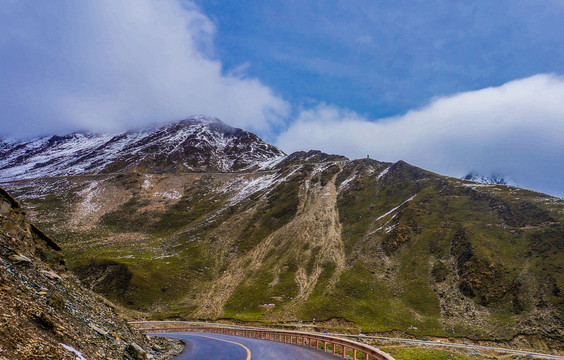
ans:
(204, 346)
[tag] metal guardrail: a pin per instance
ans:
(185, 324)
(305, 339)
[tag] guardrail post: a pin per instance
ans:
(316, 344)
(344, 351)
(334, 348)
(354, 354)
(303, 340)
(365, 356)
(325, 346)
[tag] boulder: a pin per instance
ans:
(137, 351)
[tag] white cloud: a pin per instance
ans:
(105, 64)
(516, 129)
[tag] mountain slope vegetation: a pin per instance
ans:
(388, 247)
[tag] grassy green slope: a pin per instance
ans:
(413, 249)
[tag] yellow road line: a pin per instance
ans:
(232, 342)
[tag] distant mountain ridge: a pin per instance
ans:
(198, 143)
(494, 179)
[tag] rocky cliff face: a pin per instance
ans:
(44, 311)
(389, 247)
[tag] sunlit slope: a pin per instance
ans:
(386, 246)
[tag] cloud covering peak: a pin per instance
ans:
(516, 129)
(110, 65)
(120, 64)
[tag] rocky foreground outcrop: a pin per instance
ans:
(44, 311)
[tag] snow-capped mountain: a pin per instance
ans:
(496, 179)
(195, 144)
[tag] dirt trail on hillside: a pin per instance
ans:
(315, 224)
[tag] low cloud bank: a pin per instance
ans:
(104, 65)
(516, 129)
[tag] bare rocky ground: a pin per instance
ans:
(44, 311)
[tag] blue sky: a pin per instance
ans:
(451, 86)
(384, 58)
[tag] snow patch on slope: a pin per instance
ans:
(89, 193)
(78, 354)
(383, 173)
(397, 207)
(195, 144)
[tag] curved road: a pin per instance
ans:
(203, 346)
(361, 338)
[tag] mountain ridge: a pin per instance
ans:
(493, 179)
(386, 246)
(198, 143)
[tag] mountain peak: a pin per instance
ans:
(494, 178)
(202, 119)
(196, 120)
(198, 143)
